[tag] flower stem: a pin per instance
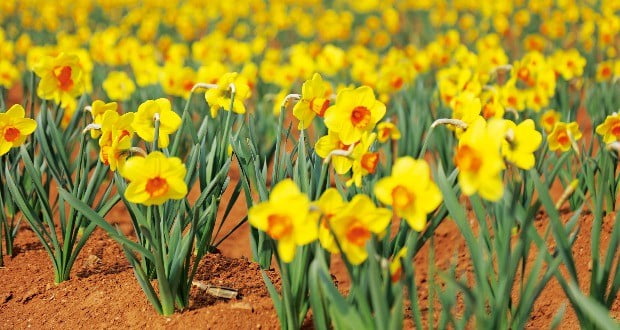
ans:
(156, 137)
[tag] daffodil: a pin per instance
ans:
(328, 205)
(569, 64)
(8, 74)
(220, 97)
(491, 106)
(604, 71)
(386, 131)
(610, 128)
(14, 128)
(548, 120)
(410, 191)
(118, 86)
(356, 111)
(479, 161)
(97, 109)
(154, 179)
(61, 77)
(364, 161)
(354, 225)
(330, 142)
(285, 218)
(564, 136)
(144, 121)
(396, 265)
(520, 143)
(115, 140)
(466, 107)
(314, 101)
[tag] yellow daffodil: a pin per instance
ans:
(479, 161)
(328, 205)
(466, 107)
(285, 218)
(314, 101)
(563, 136)
(569, 64)
(14, 128)
(610, 128)
(8, 74)
(604, 71)
(154, 179)
(115, 140)
(396, 265)
(220, 97)
(354, 225)
(118, 86)
(97, 109)
(549, 119)
(410, 191)
(386, 131)
(144, 121)
(61, 77)
(330, 142)
(520, 143)
(356, 111)
(364, 161)
(491, 108)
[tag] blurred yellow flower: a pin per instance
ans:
(520, 143)
(61, 77)
(386, 131)
(549, 119)
(569, 64)
(118, 86)
(154, 179)
(610, 128)
(479, 161)
(563, 136)
(396, 265)
(220, 97)
(8, 74)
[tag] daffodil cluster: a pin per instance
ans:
(292, 220)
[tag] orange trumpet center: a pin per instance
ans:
(615, 129)
(467, 159)
(360, 117)
(63, 74)
(397, 83)
(401, 197)
(358, 234)
(156, 187)
(279, 226)
(563, 138)
(11, 134)
(369, 161)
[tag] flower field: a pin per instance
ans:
(310, 164)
